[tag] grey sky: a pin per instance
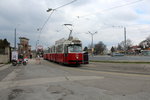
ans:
(94, 15)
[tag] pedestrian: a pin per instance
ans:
(38, 59)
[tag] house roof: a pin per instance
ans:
(23, 38)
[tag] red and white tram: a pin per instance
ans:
(66, 52)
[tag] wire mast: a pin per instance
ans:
(92, 34)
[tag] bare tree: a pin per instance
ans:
(121, 46)
(99, 48)
(4, 43)
(112, 49)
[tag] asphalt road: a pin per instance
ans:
(121, 58)
(50, 81)
(5, 70)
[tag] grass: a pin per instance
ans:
(130, 62)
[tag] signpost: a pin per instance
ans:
(14, 55)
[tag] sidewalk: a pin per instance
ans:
(1, 65)
(4, 66)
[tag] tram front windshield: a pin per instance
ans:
(75, 48)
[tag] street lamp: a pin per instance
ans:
(15, 33)
(15, 39)
(92, 34)
(125, 40)
(49, 9)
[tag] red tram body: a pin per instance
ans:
(66, 52)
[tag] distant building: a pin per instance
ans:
(39, 50)
(134, 50)
(23, 47)
(145, 44)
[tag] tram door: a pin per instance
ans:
(65, 54)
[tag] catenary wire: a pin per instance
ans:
(115, 7)
(40, 29)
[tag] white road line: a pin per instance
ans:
(10, 84)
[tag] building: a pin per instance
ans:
(39, 50)
(23, 47)
(5, 56)
(5, 51)
(134, 50)
(145, 44)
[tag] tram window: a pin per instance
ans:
(74, 48)
(59, 49)
(53, 49)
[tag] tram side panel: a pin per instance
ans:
(53, 57)
(59, 57)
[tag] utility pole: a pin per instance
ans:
(92, 34)
(15, 40)
(125, 44)
(125, 40)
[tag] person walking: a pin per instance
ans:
(38, 59)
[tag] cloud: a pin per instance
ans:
(85, 15)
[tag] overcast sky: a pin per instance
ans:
(108, 17)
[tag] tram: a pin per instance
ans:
(67, 52)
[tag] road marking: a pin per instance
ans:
(10, 84)
(4, 67)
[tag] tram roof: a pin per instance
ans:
(68, 41)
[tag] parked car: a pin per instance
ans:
(117, 54)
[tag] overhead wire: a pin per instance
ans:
(40, 29)
(111, 8)
(65, 4)
(108, 9)
(115, 7)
